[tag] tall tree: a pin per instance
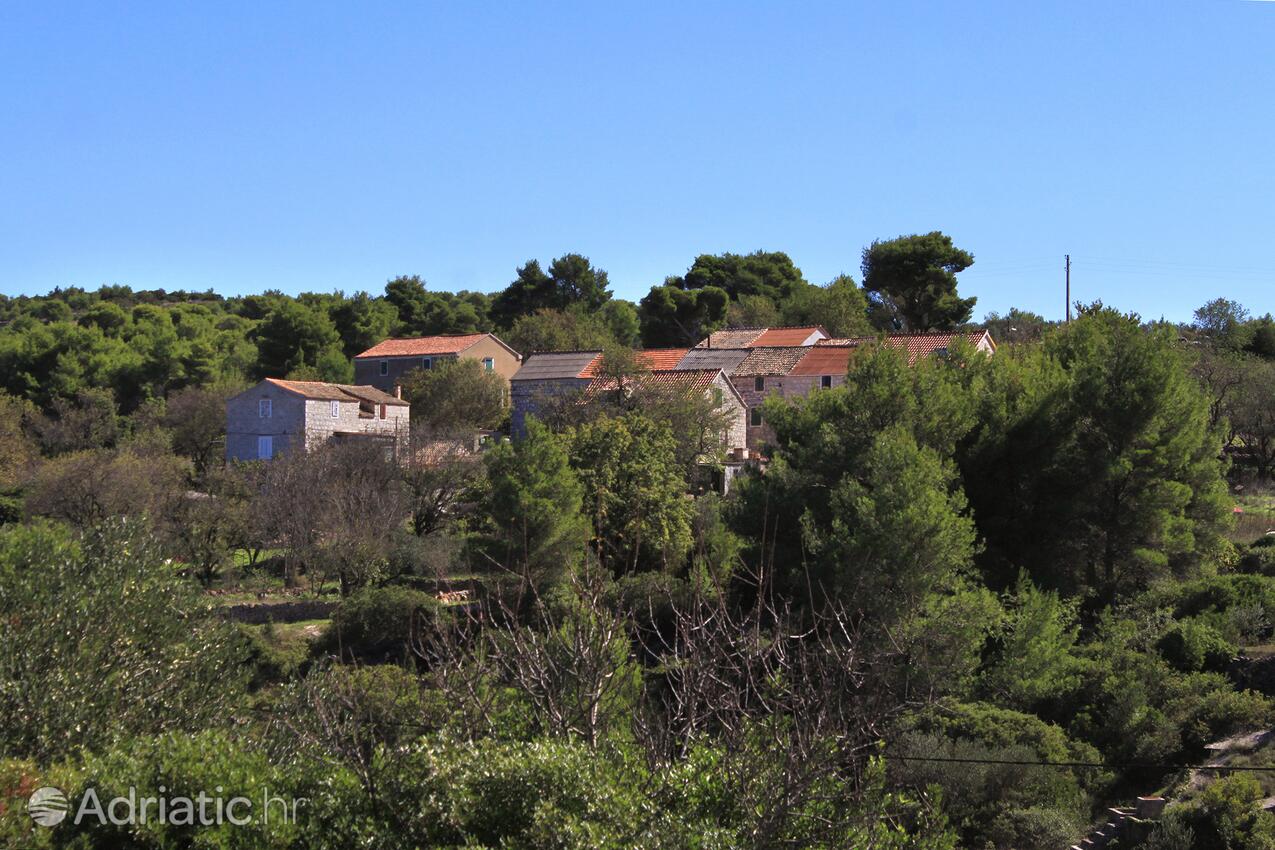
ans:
(362, 322)
(1094, 465)
(1224, 324)
(914, 279)
(570, 280)
(673, 317)
(535, 528)
(634, 492)
(770, 274)
(840, 307)
(294, 337)
(455, 396)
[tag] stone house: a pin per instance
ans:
(545, 379)
(762, 373)
(278, 416)
(384, 364)
(551, 376)
(713, 383)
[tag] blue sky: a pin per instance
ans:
(322, 146)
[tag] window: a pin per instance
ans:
(385, 367)
(825, 382)
(263, 408)
(718, 396)
(427, 362)
(336, 408)
(489, 363)
(759, 383)
(265, 448)
(754, 417)
(382, 410)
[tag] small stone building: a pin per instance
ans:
(763, 372)
(278, 416)
(384, 364)
(546, 379)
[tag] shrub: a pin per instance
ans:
(101, 640)
(1191, 646)
(379, 624)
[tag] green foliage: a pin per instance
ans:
(633, 491)
(380, 624)
(570, 280)
(672, 317)
(1191, 646)
(1093, 465)
(1036, 656)
(455, 396)
(840, 308)
(102, 641)
(533, 508)
(1229, 815)
(913, 279)
(297, 340)
(421, 313)
(862, 492)
(572, 329)
(769, 274)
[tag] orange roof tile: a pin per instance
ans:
(652, 360)
(779, 337)
(825, 360)
(422, 345)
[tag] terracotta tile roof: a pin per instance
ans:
(917, 345)
(731, 338)
(422, 345)
(336, 392)
(657, 359)
(774, 337)
(825, 360)
(770, 361)
(651, 359)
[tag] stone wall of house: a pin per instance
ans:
(321, 424)
(367, 371)
(737, 433)
(244, 424)
(528, 397)
(758, 435)
(800, 386)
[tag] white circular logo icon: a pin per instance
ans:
(47, 806)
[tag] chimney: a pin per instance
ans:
(398, 391)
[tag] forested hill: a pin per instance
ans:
(143, 344)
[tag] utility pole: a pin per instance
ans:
(1068, 274)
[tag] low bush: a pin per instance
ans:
(1192, 646)
(379, 624)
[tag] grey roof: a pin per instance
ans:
(725, 359)
(770, 361)
(562, 364)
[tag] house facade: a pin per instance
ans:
(385, 364)
(278, 416)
